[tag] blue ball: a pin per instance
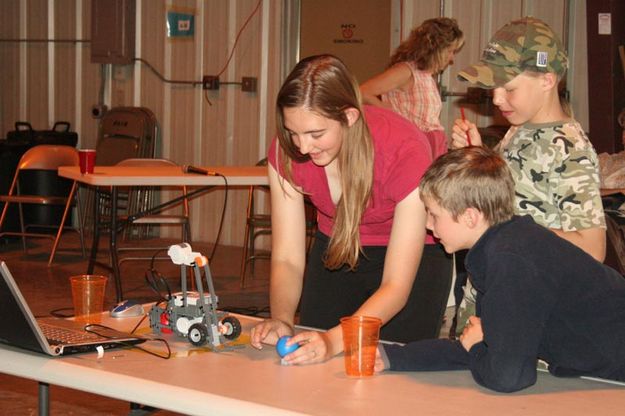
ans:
(283, 349)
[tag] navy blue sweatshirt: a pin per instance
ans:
(538, 296)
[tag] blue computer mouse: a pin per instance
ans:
(127, 308)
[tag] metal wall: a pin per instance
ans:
(46, 79)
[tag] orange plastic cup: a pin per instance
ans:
(360, 340)
(88, 297)
(86, 159)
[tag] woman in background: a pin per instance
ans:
(409, 87)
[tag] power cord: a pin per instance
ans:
(92, 329)
(156, 281)
(223, 69)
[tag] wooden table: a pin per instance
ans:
(251, 382)
(115, 176)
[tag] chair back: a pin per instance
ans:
(48, 157)
(126, 132)
(144, 197)
(110, 150)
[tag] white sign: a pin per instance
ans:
(605, 24)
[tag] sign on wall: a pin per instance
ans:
(180, 25)
(356, 31)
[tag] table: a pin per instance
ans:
(116, 176)
(251, 382)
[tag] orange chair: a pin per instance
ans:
(49, 158)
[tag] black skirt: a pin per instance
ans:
(328, 295)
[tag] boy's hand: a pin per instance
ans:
(379, 362)
(472, 333)
(459, 134)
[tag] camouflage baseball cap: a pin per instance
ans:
(524, 44)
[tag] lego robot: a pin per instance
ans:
(194, 315)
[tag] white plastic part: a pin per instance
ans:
(182, 254)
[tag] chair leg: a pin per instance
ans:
(22, 228)
(5, 209)
(68, 205)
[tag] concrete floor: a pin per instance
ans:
(47, 289)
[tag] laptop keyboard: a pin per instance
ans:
(59, 335)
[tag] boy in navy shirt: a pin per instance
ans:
(538, 295)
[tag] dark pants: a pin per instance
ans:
(329, 295)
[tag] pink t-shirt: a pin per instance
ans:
(401, 156)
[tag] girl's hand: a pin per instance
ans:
(268, 332)
(315, 347)
(459, 134)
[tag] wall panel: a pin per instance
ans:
(9, 67)
(90, 82)
(64, 61)
(238, 127)
(37, 65)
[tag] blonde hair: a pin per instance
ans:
(324, 85)
(471, 177)
(428, 43)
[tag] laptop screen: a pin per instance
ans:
(17, 323)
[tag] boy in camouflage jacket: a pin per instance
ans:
(554, 165)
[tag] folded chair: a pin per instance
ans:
(46, 158)
(143, 198)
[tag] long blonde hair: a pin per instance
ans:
(428, 43)
(324, 85)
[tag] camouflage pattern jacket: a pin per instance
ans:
(556, 171)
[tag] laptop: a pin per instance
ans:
(52, 336)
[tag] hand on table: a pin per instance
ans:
(314, 348)
(379, 365)
(268, 332)
(472, 333)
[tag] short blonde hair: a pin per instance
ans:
(471, 177)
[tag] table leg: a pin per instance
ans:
(113, 245)
(44, 399)
(96, 232)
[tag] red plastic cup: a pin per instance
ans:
(87, 160)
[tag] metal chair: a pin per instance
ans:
(257, 225)
(142, 199)
(46, 158)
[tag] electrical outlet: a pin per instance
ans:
(248, 84)
(210, 82)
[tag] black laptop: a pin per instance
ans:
(52, 336)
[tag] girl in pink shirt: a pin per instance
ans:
(360, 167)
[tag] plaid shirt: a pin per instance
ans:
(421, 104)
